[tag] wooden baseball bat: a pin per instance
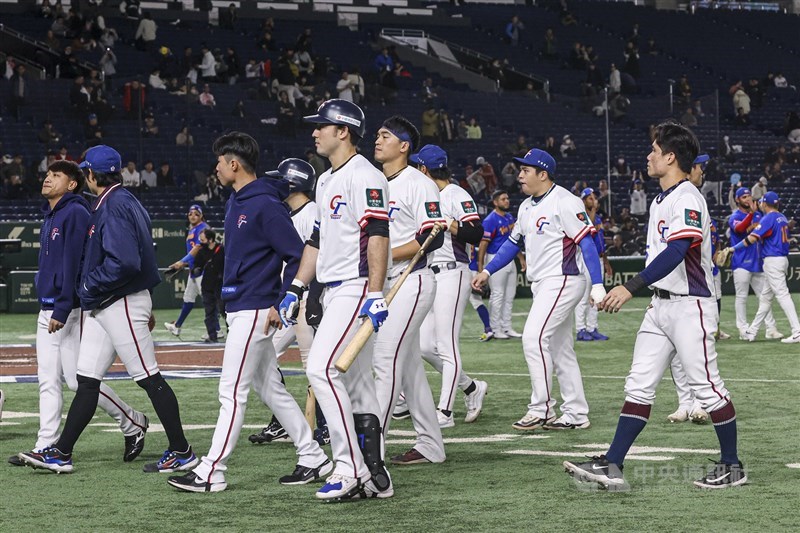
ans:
(364, 332)
(311, 411)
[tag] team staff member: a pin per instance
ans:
(680, 320)
(58, 333)
(552, 226)
(210, 262)
(194, 283)
(260, 239)
(497, 227)
(773, 231)
(747, 263)
(585, 312)
(348, 252)
(117, 274)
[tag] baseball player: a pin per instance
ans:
(117, 274)
(197, 224)
(747, 263)
(414, 209)
(476, 298)
(58, 332)
(497, 226)
(259, 239)
(348, 252)
(440, 331)
(773, 232)
(680, 320)
(585, 312)
(552, 226)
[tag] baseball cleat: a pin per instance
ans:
(14, 460)
(748, 336)
(513, 334)
(597, 336)
(794, 339)
(774, 334)
(598, 470)
(173, 461)
(401, 411)
(411, 457)
(474, 401)
(192, 483)
(274, 431)
(306, 474)
(134, 444)
(322, 436)
(698, 416)
(723, 476)
(486, 336)
(530, 422)
(721, 335)
(401, 415)
(445, 421)
(560, 424)
(172, 328)
(338, 487)
(501, 335)
(220, 336)
(369, 490)
(50, 459)
(681, 415)
(583, 336)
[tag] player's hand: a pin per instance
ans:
(177, 265)
(375, 309)
(290, 305)
(273, 321)
(597, 294)
(151, 322)
(615, 299)
(54, 325)
(452, 226)
(523, 264)
(480, 280)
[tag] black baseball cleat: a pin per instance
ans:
(15, 461)
(723, 476)
(134, 444)
(274, 431)
(598, 470)
(191, 483)
(305, 474)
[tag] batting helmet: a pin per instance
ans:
(342, 112)
(297, 173)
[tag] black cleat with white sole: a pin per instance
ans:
(306, 474)
(598, 470)
(723, 476)
(192, 483)
(134, 444)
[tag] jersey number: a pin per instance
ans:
(785, 234)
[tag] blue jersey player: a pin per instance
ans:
(586, 314)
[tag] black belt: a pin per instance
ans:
(665, 295)
(441, 267)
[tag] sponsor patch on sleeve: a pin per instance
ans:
(469, 207)
(432, 210)
(374, 198)
(583, 217)
(692, 218)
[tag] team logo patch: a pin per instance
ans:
(242, 220)
(91, 231)
(663, 229)
(692, 218)
(392, 208)
(336, 205)
(540, 224)
(432, 210)
(583, 217)
(374, 198)
(468, 207)
(54, 234)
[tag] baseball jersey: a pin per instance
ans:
(303, 220)
(192, 239)
(551, 230)
(677, 213)
(457, 205)
(496, 229)
(413, 209)
(748, 258)
(346, 199)
(599, 237)
(773, 231)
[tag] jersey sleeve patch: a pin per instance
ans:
(468, 207)
(375, 198)
(583, 217)
(691, 218)
(433, 210)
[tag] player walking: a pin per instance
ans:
(680, 320)
(117, 274)
(260, 238)
(585, 312)
(552, 226)
(476, 298)
(58, 332)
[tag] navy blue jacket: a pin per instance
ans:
(61, 240)
(259, 239)
(119, 258)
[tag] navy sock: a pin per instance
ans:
(469, 390)
(185, 310)
(632, 421)
(725, 425)
(484, 314)
(719, 305)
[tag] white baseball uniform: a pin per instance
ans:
(346, 199)
(414, 208)
(440, 331)
(193, 284)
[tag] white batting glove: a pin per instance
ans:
(597, 293)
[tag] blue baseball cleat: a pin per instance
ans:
(50, 458)
(583, 336)
(173, 461)
(596, 335)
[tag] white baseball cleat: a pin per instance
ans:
(748, 336)
(774, 334)
(445, 421)
(681, 415)
(698, 416)
(474, 401)
(172, 328)
(722, 335)
(513, 334)
(338, 487)
(794, 339)
(501, 335)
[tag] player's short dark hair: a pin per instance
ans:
(242, 146)
(440, 173)
(71, 170)
(105, 179)
(680, 140)
(210, 234)
(402, 127)
(498, 193)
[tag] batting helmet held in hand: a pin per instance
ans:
(297, 173)
(341, 112)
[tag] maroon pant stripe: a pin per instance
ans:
(135, 341)
(110, 399)
(454, 343)
(541, 350)
(705, 351)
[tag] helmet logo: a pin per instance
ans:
(349, 120)
(297, 173)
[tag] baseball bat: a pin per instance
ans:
(311, 412)
(364, 332)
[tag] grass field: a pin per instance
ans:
(481, 486)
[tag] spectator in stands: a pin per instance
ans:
(208, 65)
(206, 98)
(239, 110)
(253, 69)
(487, 173)
(447, 128)
(568, 148)
(92, 131)
(550, 48)
(53, 41)
(286, 116)
(344, 87)
(59, 27)
(758, 190)
(631, 55)
(791, 127)
(474, 129)
(509, 175)
(550, 146)
(428, 92)
(14, 188)
(616, 249)
(164, 177)
(150, 128)
(45, 163)
(48, 135)
(184, 138)
(19, 91)
(148, 176)
(684, 90)
(134, 98)
(228, 17)
(146, 33)
(79, 98)
(638, 199)
(578, 187)
(430, 126)
(688, 118)
(354, 75)
(726, 151)
(384, 64)
(517, 149)
(577, 57)
(755, 91)
(620, 167)
(155, 81)
(131, 176)
(131, 9)
(698, 109)
(63, 155)
(513, 28)
(108, 65)
(305, 63)
(780, 81)
(14, 166)
(285, 75)
(566, 17)
(793, 157)
(304, 41)
(618, 107)
(45, 9)
(614, 80)
(602, 194)
(594, 77)
(741, 104)
(266, 42)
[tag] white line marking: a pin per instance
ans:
(649, 449)
(569, 454)
(461, 440)
(9, 423)
(158, 428)
(19, 414)
(523, 375)
(793, 465)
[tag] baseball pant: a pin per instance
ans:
(341, 394)
(398, 365)
(586, 314)
(548, 344)
(775, 269)
(302, 332)
(214, 307)
(475, 300)
(504, 288)
(440, 331)
(57, 357)
(686, 398)
(250, 357)
(682, 328)
(193, 289)
(742, 281)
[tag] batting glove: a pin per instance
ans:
(290, 305)
(597, 293)
(375, 308)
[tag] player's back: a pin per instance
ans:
(457, 205)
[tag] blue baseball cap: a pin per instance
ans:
(540, 159)
(431, 156)
(741, 191)
(771, 198)
(701, 159)
(102, 158)
(196, 207)
(586, 192)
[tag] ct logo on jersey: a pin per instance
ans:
(540, 224)
(392, 209)
(242, 221)
(662, 230)
(336, 205)
(54, 234)
(91, 231)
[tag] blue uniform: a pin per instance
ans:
(599, 238)
(773, 232)
(496, 230)
(749, 258)
(192, 239)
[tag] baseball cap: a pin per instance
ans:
(102, 158)
(431, 156)
(480, 161)
(701, 159)
(771, 198)
(586, 192)
(8, 158)
(741, 191)
(92, 116)
(538, 158)
(762, 180)
(196, 207)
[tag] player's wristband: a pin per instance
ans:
(742, 244)
(635, 283)
(374, 295)
(297, 288)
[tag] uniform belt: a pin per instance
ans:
(441, 267)
(666, 295)
(47, 307)
(334, 284)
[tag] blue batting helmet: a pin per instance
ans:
(341, 112)
(297, 173)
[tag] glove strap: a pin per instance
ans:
(374, 295)
(297, 288)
